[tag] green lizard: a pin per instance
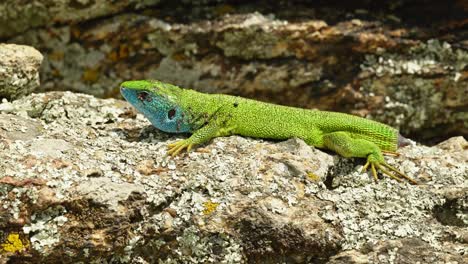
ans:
(176, 110)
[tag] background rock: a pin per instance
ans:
(16, 18)
(84, 178)
(103, 188)
(19, 70)
(398, 251)
(403, 63)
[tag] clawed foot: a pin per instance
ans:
(176, 147)
(381, 166)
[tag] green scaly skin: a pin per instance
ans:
(217, 115)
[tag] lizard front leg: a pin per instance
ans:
(343, 144)
(211, 130)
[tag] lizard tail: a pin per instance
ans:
(402, 141)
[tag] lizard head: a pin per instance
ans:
(159, 102)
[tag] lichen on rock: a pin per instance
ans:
(19, 70)
(111, 190)
(84, 179)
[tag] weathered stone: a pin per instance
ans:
(19, 70)
(103, 191)
(370, 67)
(16, 18)
(19, 128)
(408, 250)
(84, 179)
(112, 193)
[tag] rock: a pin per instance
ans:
(104, 191)
(15, 18)
(408, 250)
(49, 147)
(19, 70)
(110, 192)
(381, 62)
(13, 127)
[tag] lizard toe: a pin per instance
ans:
(378, 164)
(176, 147)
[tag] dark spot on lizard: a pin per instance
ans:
(171, 113)
(225, 121)
(236, 104)
(144, 96)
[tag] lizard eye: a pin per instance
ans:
(144, 96)
(171, 113)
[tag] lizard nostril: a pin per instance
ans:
(171, 113)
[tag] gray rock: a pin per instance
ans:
(406, 250)
(49, 147)
(365, 67)
(105, 191)
(110, 193)
(16, 18)
(19, 70)
(13, 127)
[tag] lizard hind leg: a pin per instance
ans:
(347, 146)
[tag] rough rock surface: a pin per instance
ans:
(17, 17)
(387, 60)
(19, 70)
(88, 179)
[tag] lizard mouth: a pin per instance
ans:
(123, 91)
(129, 95)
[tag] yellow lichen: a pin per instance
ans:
(14, 243)
(210, 207)
(313, 176)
